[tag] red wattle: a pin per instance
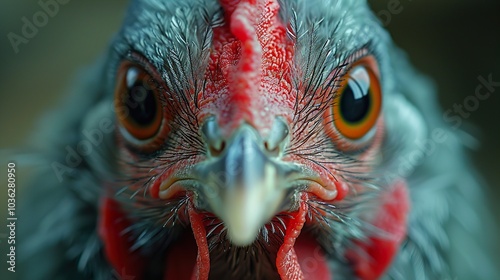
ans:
(380, 250)
(300, 256)
(287, 262)
(202, 268)
(180, 261)
(117, 245)
(312, 259)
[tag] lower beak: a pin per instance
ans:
(245, 187)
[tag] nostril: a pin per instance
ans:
(272, 150)
(211, 135)
(218, 148)
(276, 141)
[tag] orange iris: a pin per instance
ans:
(137, 102)
(357, 105)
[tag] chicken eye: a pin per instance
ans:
(137, 102)
(357, 105)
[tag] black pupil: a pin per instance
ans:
(354, 103)
(141, 104)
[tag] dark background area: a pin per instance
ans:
(452, 41)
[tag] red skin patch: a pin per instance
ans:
(180, 262)
(312, 259)
(128, 264)
(380, 251)
(189, 257)
(112, 224)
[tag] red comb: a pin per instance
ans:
(254, 46)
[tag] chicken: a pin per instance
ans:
(253, 139)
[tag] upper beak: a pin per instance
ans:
(245, 186)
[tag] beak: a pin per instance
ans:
(245, 186)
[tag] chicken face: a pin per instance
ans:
(249, 132)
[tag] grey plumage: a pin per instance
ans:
(449, 226)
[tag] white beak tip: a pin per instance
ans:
(242, 239)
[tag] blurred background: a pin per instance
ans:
(452, 41)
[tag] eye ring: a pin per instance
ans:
(357, 104)
(137, 102)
